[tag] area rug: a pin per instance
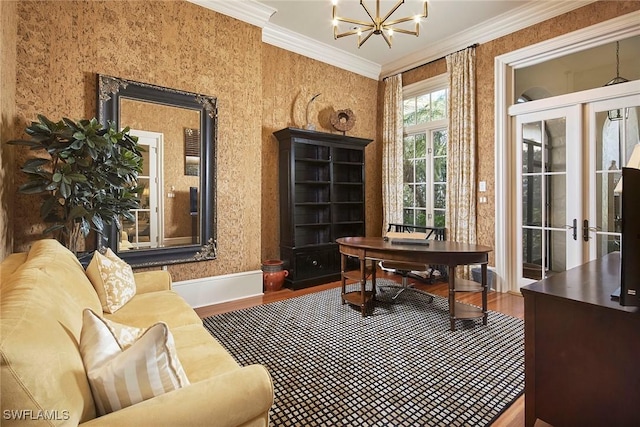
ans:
(400, 366)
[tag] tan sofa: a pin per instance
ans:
(43, 294)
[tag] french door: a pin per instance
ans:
(549, 191)
(568, 193)
(613, 135)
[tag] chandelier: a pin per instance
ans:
(378, 25)
(617, 113)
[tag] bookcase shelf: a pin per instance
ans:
(321, 181)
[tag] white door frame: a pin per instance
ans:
(155, 140)
(609, 31)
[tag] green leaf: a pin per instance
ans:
(53, 228)
(32, 187)
(47, 206)
(57, 177)
(77, 212)
(78, 177)
(65, 190)
(98, 222)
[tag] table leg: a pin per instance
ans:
(343, 265)
(452, 296)
(363, 286)
(373, 278)
(485, 288)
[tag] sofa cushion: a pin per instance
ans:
(202, 356)
(112, 279)
(41, 307)
(123, 373)
(146, 309)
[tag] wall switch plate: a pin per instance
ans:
(482, 186)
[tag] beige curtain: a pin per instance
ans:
(461, 156)
(392, 161)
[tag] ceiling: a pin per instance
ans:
(305, 27)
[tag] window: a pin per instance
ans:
(425, 154)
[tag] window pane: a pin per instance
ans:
(440, 169)
(532, 253)
(421, 170)
(439, 196)
(421, 145)
(532, 200)
(409, 111)
(556, 187)
(421, 195)
(440, 142)
(407, 196)
(408, 147)
(408, 171)
(531, 156)
(439, 105)
(438, 218)
(421, 217)
(423, 113)
(407, 216)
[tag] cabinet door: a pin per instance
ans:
(314, 264)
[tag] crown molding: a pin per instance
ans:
(258, 14)
(306, 46)
(502, 25)
(249, 11)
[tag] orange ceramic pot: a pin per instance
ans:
(273, 274)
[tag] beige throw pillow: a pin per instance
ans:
(112, 279)
(126, 365)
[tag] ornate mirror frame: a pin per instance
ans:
(109, 91)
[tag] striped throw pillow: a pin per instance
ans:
(113, 280)
(142, 365)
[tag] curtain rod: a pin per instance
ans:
(438, 59)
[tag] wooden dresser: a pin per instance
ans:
(582, 349)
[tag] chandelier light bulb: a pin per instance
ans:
(334, 2)
(417, 19)
(359, 32)
(335, 22)
(390, 32)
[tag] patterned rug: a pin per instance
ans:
(401, 366)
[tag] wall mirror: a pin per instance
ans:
(177, 130)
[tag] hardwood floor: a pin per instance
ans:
(506, 303)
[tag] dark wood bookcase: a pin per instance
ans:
(321, 179)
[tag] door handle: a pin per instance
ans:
(586, 229)
(574, 228)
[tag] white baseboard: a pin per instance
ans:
(217, 289)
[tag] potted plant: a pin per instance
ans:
(87, 179)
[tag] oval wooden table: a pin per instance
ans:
(451, 254)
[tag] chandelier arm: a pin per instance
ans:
(402, 30)
(366, 9)
(386, 38)
(392, 10)
(352, 32)
(398, 21)
(361, 42)
(353, 21)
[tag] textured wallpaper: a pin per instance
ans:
(62, 45)
(289, 82)
(8, 31)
